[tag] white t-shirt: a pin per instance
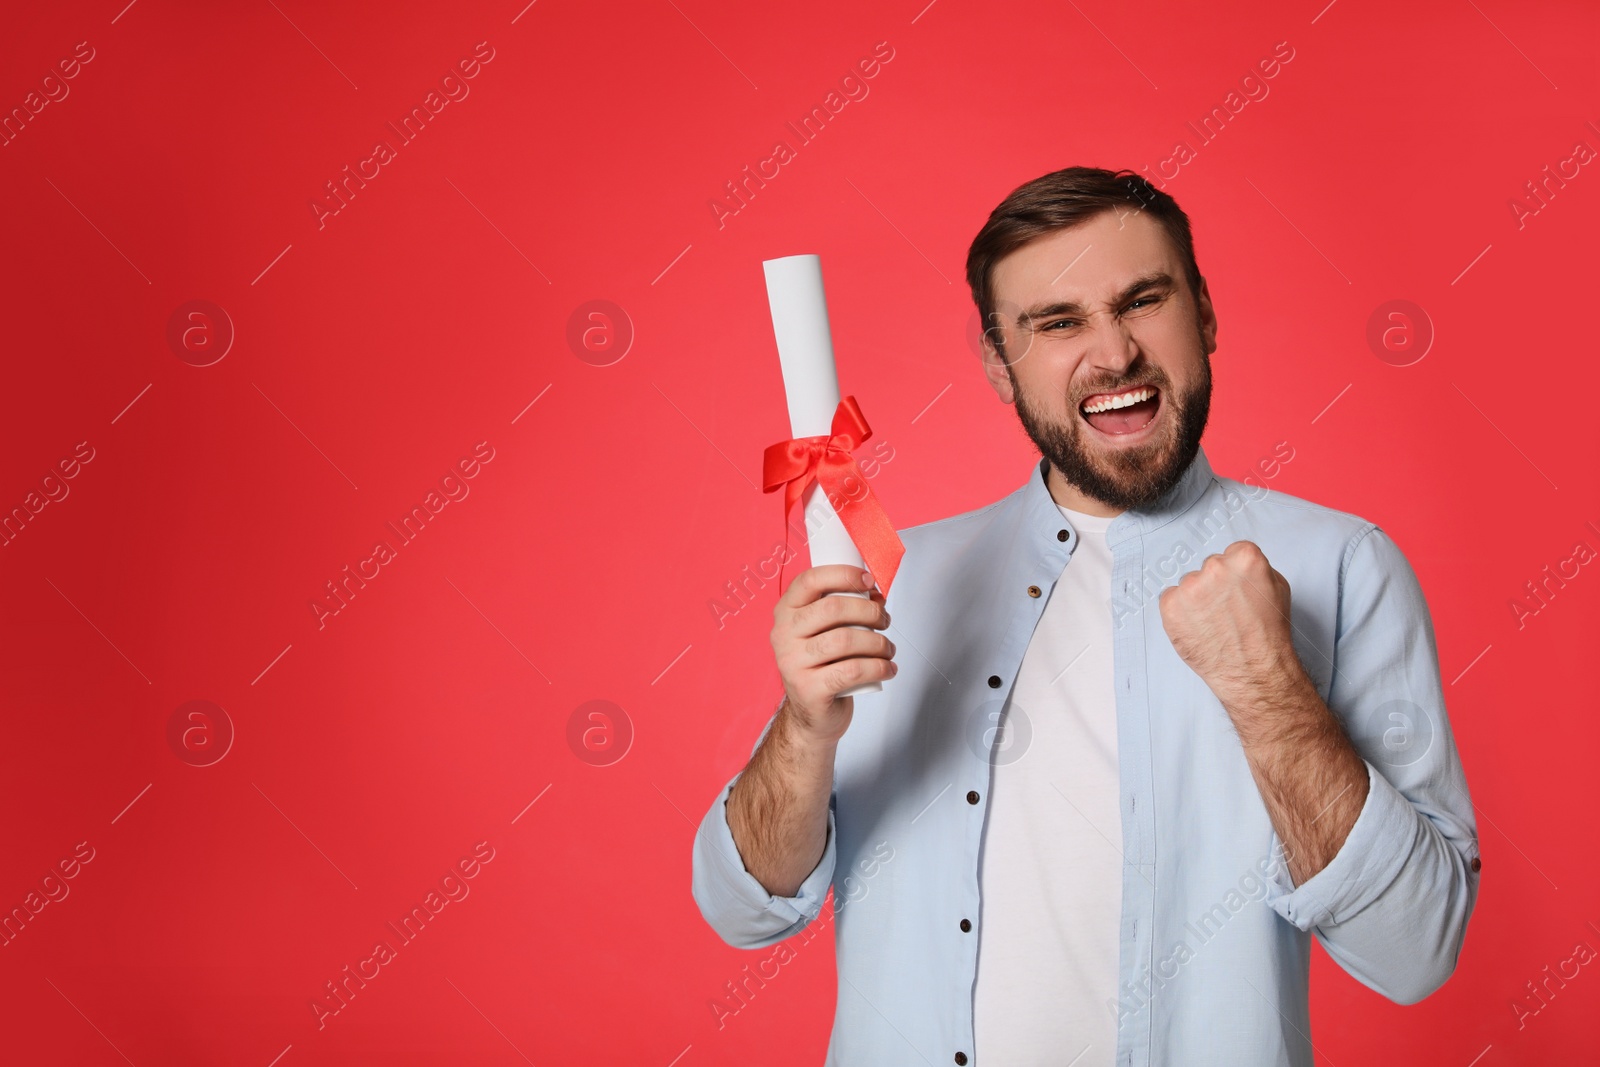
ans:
(1050, 867)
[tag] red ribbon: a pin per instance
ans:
(827, 459)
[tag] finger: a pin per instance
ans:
(816, 582)
(844, 643)
(834, 611)
(848, 673)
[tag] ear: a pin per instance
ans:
(994, 368)
(1208, 317)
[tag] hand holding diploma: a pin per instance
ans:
(815, 467)
(828, 648)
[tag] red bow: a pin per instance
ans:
(827, 459)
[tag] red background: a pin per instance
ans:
(373, 352)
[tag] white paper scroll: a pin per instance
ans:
(811, 383)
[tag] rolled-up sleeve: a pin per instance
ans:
(735, 904)
(1392, 906)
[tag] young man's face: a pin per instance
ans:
(1099, 317)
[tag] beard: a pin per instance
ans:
(1123, 477)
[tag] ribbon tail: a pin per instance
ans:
(867, 524)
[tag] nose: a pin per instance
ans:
(1111, 343)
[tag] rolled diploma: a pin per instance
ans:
(811, 384)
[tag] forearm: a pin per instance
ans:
(778, 808)
(1310, 777)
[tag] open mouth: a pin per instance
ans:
(1125, 412)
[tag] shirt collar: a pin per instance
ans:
(1043, 515)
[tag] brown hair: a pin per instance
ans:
(1060, 199)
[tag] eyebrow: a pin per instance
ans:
(1144, 281)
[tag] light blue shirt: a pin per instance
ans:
(1215, 938)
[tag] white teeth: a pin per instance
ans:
(1120, 401)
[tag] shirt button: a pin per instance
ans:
(994, 681)
(1033, 591)
(961, 1059)
(972, 796)
(966, 925)
(1061, 535)
(1477, 864)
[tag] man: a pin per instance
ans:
(1150, 729)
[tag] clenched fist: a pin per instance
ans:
(1229, 621)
